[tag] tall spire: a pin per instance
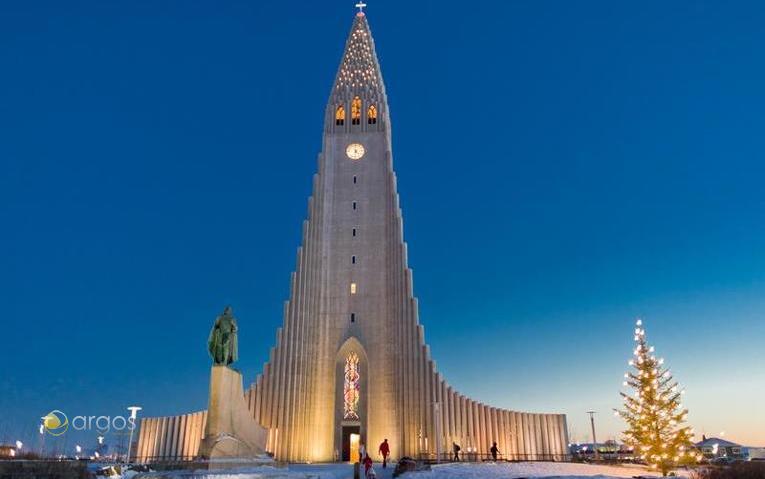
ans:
(359, 71)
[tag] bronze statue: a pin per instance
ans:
(222, 343)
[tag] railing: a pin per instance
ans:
(162, 463)
(486, 457)
(168, 459)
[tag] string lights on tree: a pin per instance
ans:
(654, 411)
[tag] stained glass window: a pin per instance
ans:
(351, 387)
(372, 115)
(340, 115)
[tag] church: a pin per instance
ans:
(350, 364)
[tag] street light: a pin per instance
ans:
(594, 441)
(133, 414)
(78, 450)
(42, 440)
(19, 445)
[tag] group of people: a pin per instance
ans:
(494, 450)
(383, 450)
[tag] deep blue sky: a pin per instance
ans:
(563, 168)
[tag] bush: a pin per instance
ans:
(741, 470)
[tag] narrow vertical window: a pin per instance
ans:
(354, 205)
(353, 317)
(353, 288)
(353, 259)
(372, 115)
(340, 115)
(354, 179)
(351, 386)
(354, 231)
(356, 111)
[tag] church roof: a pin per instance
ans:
(359, 72)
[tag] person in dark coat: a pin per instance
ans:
(494, 451)
(367, 465)
(384, 450)
(456, 448)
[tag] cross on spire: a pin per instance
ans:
(361, 6)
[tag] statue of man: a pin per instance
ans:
(222, 343)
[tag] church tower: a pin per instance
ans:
(350, 363)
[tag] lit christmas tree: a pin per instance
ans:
(654, 412)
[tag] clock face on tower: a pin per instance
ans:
(355, 151)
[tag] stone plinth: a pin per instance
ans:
(231, 431)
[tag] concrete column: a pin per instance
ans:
(538, 434)
(564, 434)
(161, 431)
(141, 441)
(514, 430)
(184, 438)
(194, 433)
(168, 437)
(497, 436)
(528, 446)
(157, 433)
(172, 437)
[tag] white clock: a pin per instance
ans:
(355, 151)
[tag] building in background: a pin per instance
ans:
(714, 447)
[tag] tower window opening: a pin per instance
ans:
(353, 317)
(353, 288)
(340, 115)
(353, 259)
(354, 205)
(372, 115)
(354, 231)
(354, 179)
(356, 111)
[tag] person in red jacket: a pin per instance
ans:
(384, 450)
(367, 465)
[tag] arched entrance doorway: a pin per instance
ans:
(351, 373)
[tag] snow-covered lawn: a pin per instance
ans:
(518, 470)
(531, 469)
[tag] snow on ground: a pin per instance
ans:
(443, 471)
(531, 469)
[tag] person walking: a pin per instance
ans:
(367, 461)
(494, 451)
(362, 453)
(456, 448)
(384, 450)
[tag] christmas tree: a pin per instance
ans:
(654, 412)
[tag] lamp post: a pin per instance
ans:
(594, 441)
(133, 414)
(42, 440)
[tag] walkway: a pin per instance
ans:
(340, 470)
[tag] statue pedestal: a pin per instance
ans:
(231, 431)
